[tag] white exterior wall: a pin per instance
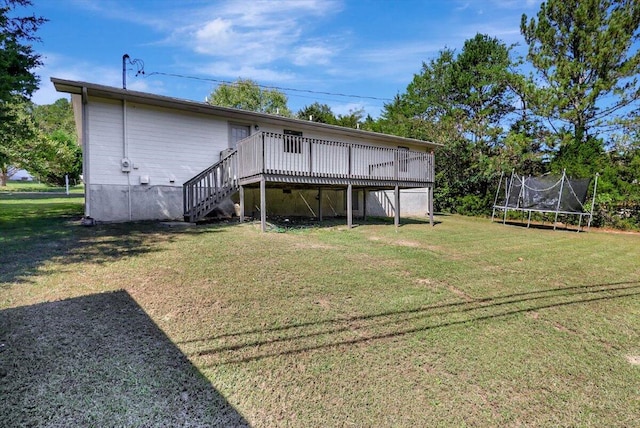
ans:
(165, 148)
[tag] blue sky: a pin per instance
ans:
(369, 48)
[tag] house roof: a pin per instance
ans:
(76, 87)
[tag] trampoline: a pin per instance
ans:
(545, 194)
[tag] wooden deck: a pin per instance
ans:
(278, 159)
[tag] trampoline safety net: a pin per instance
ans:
(544, 194)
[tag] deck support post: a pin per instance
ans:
(396, 194)
(319, 203)
(263, 204)
(241, 191)
(365, 192)
(430, 203)
(349, 205)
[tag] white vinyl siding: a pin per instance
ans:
(105, 137)
(167, 145)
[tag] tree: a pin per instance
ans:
(17, 133)
(522, 149)
(245, 94)
(55, 117)
(425, 111)
(17, 57)
(350, 120)
(55, 156)
(481, 82)
(56, 152)
(462, 101)
(40, 139)
(17, 83)
(584, 51)
(317, 112)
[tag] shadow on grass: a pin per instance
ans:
(37, 231)
(560, 227)
(290, 339)
(290, 223)
(99, 360)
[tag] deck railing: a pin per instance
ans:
(290, 155)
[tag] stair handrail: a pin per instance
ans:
(202, 192)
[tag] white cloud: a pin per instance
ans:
(258, 32)
(396, 63)
(347, 108)
(219, 29)
(159, 19)
(312, 55)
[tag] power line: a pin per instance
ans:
(207, 79)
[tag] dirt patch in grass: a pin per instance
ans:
(406, 243)
(460, 293)
(314, 246)
(533, 315)
(324, 302)
(634, 359)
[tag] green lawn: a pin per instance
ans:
(32, 186)
(468, 323)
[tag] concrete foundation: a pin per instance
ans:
(113, 203)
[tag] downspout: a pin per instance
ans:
(125, 153)
(86, 164)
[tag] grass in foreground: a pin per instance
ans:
(467, 323)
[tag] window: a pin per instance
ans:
(292, 141)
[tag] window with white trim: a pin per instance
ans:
(292, 141)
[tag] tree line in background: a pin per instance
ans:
(571, 104)
(41, 139)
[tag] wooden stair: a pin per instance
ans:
(204, 192)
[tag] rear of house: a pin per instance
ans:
(149, 157)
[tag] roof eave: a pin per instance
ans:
(76, 87)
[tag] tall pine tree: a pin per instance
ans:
(584, 53)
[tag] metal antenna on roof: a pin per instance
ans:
(139, 68)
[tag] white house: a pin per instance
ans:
(20, 175)
(148, 157)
